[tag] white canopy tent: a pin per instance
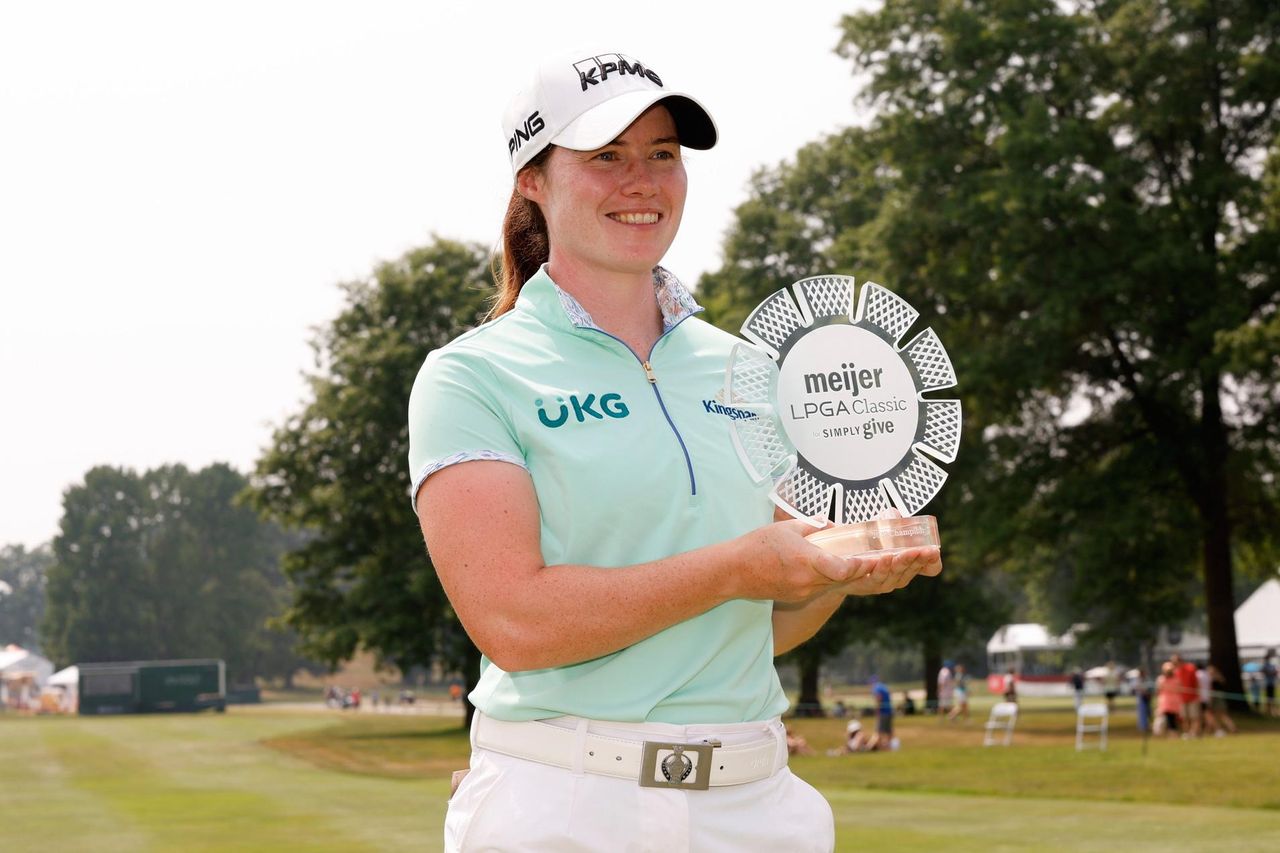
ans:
(1037, 657)
(64, 687)
(1257, 629)
(69, 677)
(1258, 621)
(22, 674)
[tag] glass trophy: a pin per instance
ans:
(844, 429)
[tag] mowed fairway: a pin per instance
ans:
(273, 780)
(199, 782)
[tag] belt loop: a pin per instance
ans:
(580, 746)
(780, 754)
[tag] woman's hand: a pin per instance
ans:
(881, 573)
(777, 562)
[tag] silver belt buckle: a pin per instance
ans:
(677, 767)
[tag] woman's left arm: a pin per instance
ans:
(793, 624)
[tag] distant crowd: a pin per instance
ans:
(344, 698)
(1186, 700)
(1191, 699)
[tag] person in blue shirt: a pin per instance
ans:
(884, 712)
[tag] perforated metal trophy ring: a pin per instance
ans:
(833, 410)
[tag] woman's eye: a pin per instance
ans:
(607, 155)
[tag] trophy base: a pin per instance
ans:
(881, 536)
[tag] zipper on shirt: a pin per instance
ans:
(653, 383)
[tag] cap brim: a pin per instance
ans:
(604, 123)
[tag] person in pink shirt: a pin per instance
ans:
(1169, 698)
(1185, 673)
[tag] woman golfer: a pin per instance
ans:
(588, 518)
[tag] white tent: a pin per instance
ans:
(1035, 655)
(15, 659)
(1024, 636)
(1258, 621)
(64, 687)
(69, 677)
(22, 674)
(1257, 629)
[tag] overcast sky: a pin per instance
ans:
(183, 185)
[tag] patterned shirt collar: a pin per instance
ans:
(674, 301)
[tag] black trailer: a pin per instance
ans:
(141, 687)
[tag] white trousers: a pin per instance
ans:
(513, 804)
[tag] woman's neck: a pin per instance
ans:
(621, 303)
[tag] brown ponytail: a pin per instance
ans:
(525, 246)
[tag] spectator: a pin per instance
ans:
(945, 687)
(1077, 686)
(1269, 681)
(884, 710)
(1204, 692)
(855, 740)
(961, 708)
(841, 710)
(1218, 702)
(1142, 692)
(1185, 673)
(1111, 684)
(1010, 687)
(797, 744)
(1169, 698)
(1255, 689)
(908, 704)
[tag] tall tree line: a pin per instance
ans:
(22, 583)
(167, 564)
(1084, 197)
(337, 469)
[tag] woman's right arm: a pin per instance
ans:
(481, 523)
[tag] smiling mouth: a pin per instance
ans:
(635, 218)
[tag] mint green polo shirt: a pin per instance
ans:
(626, 470)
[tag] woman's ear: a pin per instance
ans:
(530, 183)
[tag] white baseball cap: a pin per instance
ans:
(585, 101)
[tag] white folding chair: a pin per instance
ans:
(1004, 715)
(1091, 719)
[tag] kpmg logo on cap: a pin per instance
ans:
(595, 70)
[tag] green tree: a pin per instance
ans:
(337, 468)
(165, 564)
(23, 576)
(1089, 190)
(98, 586)
(817, 214)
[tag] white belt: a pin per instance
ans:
(651, 763)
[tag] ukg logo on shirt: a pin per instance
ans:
(607, 406)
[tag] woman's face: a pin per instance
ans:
(615, 209)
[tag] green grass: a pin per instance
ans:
(258, 779)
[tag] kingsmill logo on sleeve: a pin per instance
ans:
(586, 408)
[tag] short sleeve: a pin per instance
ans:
(455, 415)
